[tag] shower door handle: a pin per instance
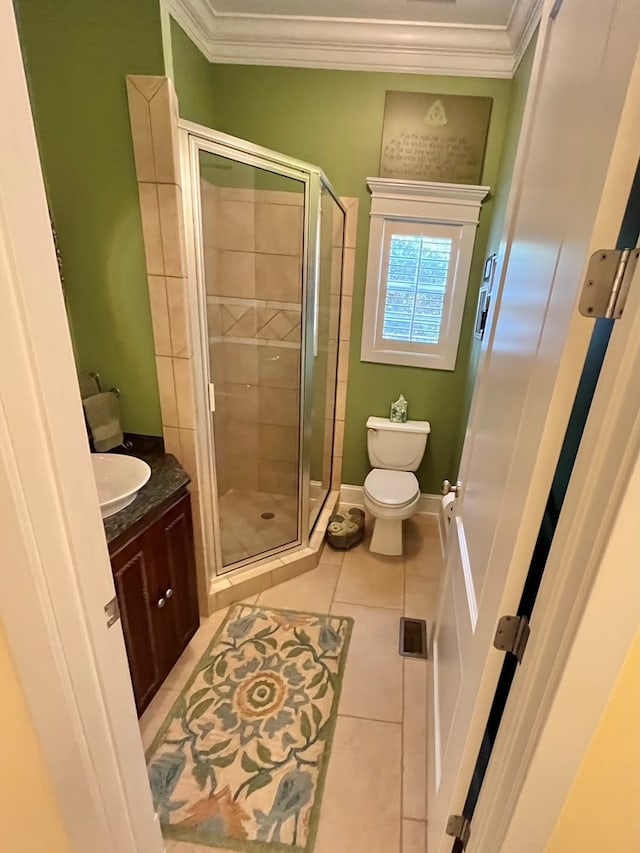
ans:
(316, 317)
(212, 397)
(316, 285)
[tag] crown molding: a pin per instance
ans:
(193, 17)
(522, 26)
(359, 45)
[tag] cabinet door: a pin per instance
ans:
(133, 576)
(175, 568)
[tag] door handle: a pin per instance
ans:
(161, 602)
(168, 593)
(448, 487)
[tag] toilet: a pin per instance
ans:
(391, 490)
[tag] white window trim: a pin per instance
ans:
(417, 202)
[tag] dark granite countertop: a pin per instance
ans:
(167, 479)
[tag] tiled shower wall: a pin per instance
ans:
(153, 110)
(253, 268)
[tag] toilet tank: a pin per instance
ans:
(398, 447)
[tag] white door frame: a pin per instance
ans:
(55, 576)
(588, 607)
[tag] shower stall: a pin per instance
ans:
(265, 237)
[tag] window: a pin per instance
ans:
(420, 247)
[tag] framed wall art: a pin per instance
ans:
(484, 297)
(434, 137)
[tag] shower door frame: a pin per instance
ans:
(194, 138)
(324, 184)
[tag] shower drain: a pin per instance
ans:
(267, 515)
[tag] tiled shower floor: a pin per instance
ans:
(244, 533)
(375, 794)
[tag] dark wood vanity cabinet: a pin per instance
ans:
(133, 575)
(155, 580)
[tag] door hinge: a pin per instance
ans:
(607, 283)
(112, 612)
(512, 635)
(212, 397)
(459, 827)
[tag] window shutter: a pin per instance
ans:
(415, 288)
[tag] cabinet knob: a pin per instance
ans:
(168, 593)
(161, 602)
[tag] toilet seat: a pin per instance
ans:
(391, 488)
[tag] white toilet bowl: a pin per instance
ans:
(390, 497)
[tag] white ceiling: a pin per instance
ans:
(489, 12)
(484, 38)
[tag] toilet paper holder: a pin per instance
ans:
(449, 488)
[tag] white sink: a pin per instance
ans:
(119, 478)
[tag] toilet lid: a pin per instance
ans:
(394, 488)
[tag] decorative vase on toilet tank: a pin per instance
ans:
(399, 410)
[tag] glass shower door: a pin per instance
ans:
(327, 314)
(252, 223)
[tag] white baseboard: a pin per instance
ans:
(427, 505)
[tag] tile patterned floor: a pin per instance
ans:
(244, 533)
(381, 731)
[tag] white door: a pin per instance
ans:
(567, 200)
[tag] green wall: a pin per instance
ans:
(77, 54)
(192, 79)
(520, 87)
(334, 119)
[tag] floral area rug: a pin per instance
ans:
(241, 759)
